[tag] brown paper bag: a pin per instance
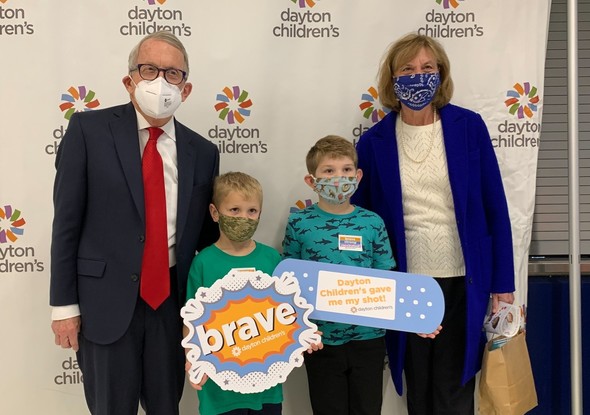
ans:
(506, 386)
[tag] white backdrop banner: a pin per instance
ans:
(270, 77)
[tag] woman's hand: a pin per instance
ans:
(505, 297)
(430, 335)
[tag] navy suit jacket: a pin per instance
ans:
(99, 222)
(481, 213)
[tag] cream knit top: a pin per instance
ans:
(432, 239)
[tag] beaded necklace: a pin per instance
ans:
(430, 145)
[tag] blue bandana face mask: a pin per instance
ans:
(416, 91)
(335, 190)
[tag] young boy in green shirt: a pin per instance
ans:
(346, 377)
(237, 202)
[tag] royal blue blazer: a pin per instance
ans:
(481, 212)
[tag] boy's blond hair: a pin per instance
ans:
(235, 181)
(332, 146)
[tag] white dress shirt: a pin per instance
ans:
(167, 148)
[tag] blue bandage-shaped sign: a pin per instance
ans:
(368, 297)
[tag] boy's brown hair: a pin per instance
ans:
(332, 146)
(235, 181)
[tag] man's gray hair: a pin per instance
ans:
(164, 36)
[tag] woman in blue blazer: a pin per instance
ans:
(431, 173)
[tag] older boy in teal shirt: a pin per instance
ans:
(346, 377)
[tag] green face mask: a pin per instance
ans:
(236, 228)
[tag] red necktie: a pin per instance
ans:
(155, 272)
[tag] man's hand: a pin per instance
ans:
(66, 332)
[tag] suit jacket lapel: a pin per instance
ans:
(126, 139)
(186, 166)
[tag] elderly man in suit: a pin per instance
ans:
(131, 199)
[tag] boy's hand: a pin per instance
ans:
(314, 347)
(197, 386)
(430, 335)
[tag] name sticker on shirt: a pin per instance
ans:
(243, 269)
(247, 331)
(368, 297)
(350, 243)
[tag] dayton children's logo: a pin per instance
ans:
(75, 100)
(304, 3)
(11, 224)
(520, 130)
(369, 108)
(446, 4)
(300, 205)
(150, 17)
(78, 100)
(15, 21)
(70, 373)
(302, 22)
(248, 331)
(450, 23)
(522, 100)
(233, 105)
(15, 259)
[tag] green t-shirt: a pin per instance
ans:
(208, 266)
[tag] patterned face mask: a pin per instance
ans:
(416, 91)
(236, 228)
(335, 190)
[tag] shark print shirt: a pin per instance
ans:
(358, 239)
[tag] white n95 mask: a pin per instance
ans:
(157, 98)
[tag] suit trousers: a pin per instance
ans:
(434, 367)
(144, 366)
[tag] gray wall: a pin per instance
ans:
(550, 223)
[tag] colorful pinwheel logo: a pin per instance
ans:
(152, 2)
(304, 3)
(449, 3)
(370, 112)
(233, 97)
(77, 100)
(522, 100)
(14, 228)
(300, 205)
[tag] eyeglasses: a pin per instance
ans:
(150, 72)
